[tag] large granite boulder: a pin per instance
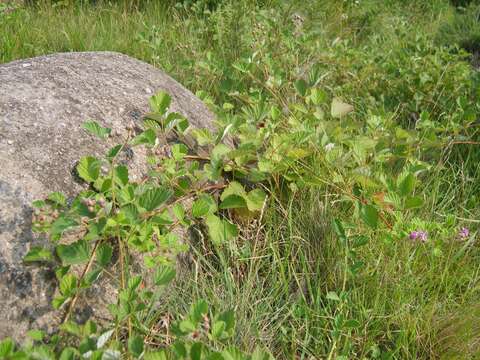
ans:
(43, 103)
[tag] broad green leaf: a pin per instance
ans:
(179, 151)
(153, 198)
(232, 353)
(58, 198)
(256, 199)
(38, 204)
(68, 285)
(179, 212)
(7, 347)
(42, 352)
(196, 351)
(339, 108)
(75, 253)
(317, 96)
(204, 205)
(233, 202)
(89, 168)
(160, 102)
(198, 310)
(38, 254)
(135, 345)
(104, 254)
(72, 328)
(147, 137)
(68, 353)
(114, 151)
(134, 282)
(219, 151)
(58, 301)
(60, 225)
(234, 188)
(259, 354)
(220, 230)
(121, 174)
(413, 202)
(164, 275)
(229, 318)
(369, 215)
(91, 277)
(187, 326)
(96, 129)
(301, 86)
(218, 328)
(406, 185)
(203, 136)
(89, 328)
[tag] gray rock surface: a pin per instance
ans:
(43, 103)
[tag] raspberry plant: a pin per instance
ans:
(197, 179)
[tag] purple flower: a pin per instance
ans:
(418, 235)
(464, 233)
(413, 235)
(422, 235)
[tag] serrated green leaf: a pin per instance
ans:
(204, 205)
(58, 198)
(233, 202)
(97, 130)
(89, 168)
(135, 345)
(301, 86)
(406, 185)
(164, 275)
(114, 151)
(234, 188)
(217, 329)
(187, 326)
(121, 174)
(68, 285)
(60, 225)
(179, 151)
(75, 253)
(317, 96)
(153, 198)
(198, 311)
(229, 318)
(38, 254)
(160, 102)
(6, 347)
(413, 202)
(369, 215)
(104, 254)
(58, 301)
(68, 354)
(147, 137)
(256, 199)
(220, 230)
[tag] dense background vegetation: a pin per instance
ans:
(408, 156)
